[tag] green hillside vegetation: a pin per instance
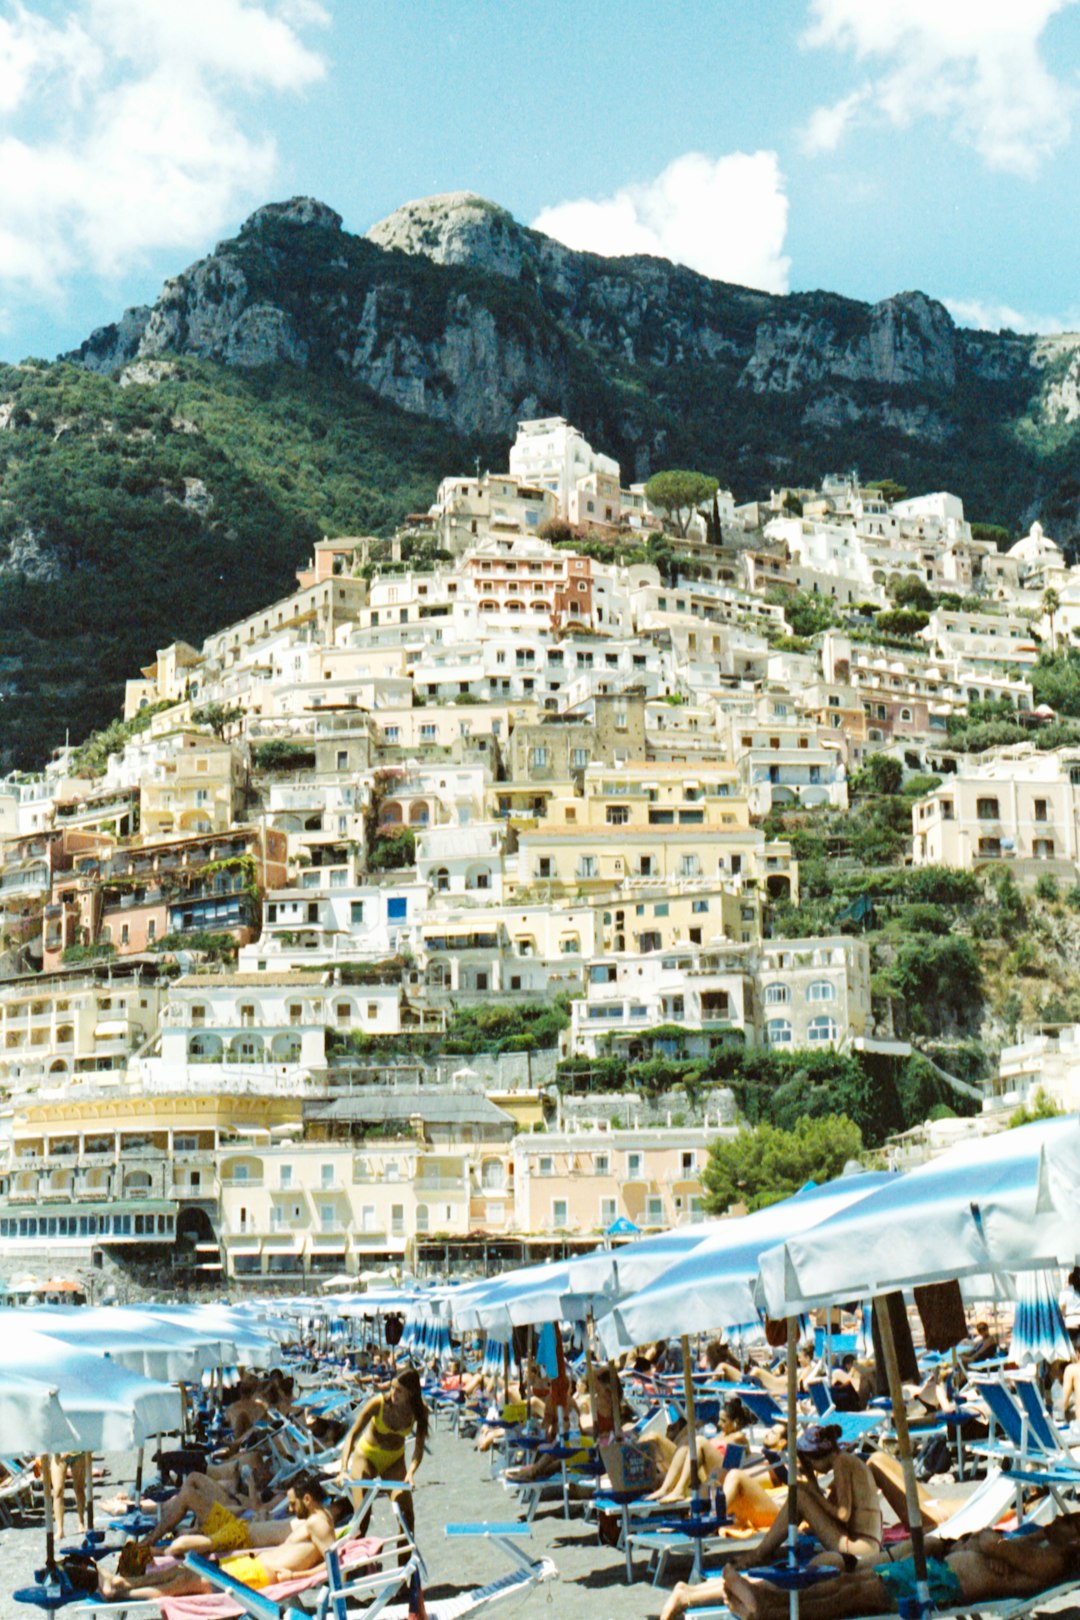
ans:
(114, 555)
(97, 472)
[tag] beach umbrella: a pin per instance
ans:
(1039, 1332)
(714, 1284)
(31, 1417)
(110, 1408)
(149, 1345)
(1002, 1203)
(623, 1270)
(523, 1298)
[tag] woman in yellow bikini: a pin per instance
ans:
(374, 1447)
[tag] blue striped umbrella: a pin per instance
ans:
(1039, 1332)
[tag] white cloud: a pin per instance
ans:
(143, 146)
(975, 63)
(726, 217)
(988, 316)
(827, 126)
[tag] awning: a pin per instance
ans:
(110, 1029)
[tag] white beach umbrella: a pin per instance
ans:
(1002, 1203)
(110, 1408)
(713, 1286)
(31, 1417)
(152, 1346)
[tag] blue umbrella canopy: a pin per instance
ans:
(1009, 1202)
(1039, 1332)
(713, 1285)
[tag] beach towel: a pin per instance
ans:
(941, 1311)
(218, 1606)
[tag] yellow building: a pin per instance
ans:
(56, 1026)
(578, 1182)
(648, 823)
(375, 1174)
(106, 1167)
(196, 788)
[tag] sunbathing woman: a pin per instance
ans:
(545, 1466)
(374, 1447)
(845, 1519)
(675, 1486)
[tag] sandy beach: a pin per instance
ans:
(455, 1486)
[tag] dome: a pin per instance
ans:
(1034, 546)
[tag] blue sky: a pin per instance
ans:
(865, 146)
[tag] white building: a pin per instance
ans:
(553, 455)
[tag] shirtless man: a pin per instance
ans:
(201, 1494)
(310, 1535)
(979, 1569)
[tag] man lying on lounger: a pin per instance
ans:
(980, 1568)
(310, 1536)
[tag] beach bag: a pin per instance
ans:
(628, 1467)
(134, 1558)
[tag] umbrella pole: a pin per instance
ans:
(590, 1374)
(89, 1488)
(793, 1455)
(51, 1571)
(691, 1447)
(911, 1488)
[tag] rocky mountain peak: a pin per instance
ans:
(296, 211)
(457, 227)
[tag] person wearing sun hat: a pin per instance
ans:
(846, 1518)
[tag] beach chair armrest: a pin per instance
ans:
(492, 1527)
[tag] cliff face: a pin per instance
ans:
(451, 310)
(300, 380)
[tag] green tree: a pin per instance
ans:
(1040, 1107)
(1051, 601)
(889, 490)
(909, 591)
(901, 622)
(806, 613)
(679, 494)
(218, 716)
(763, 1164)
(880, 774)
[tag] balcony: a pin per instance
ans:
(240, 1182)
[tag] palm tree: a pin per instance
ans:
(1051, 601)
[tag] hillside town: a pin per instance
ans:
(378, 931)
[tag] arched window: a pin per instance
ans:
(442, 880)
(821, 990)
(777, 995)
(198, 1014)
(821, 1030)
(778, 1032)
(905, 714)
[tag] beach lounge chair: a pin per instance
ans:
(17, 1490)
(376, 1590)
(373, 1588)
(854, 1426)
(1030, 1443)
